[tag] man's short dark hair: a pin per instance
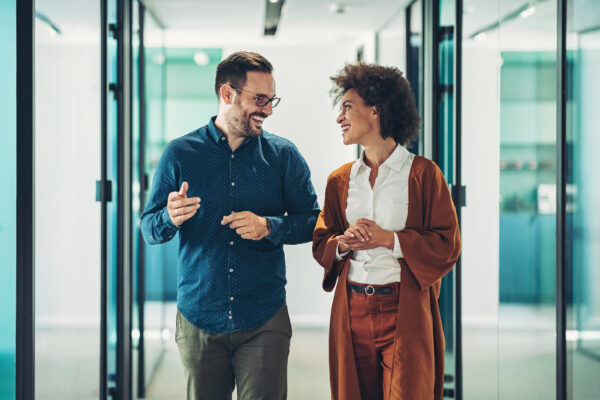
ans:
(387, 90)
(232, 70)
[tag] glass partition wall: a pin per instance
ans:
(582, 199)
(67, 219)
(8, 216)
(509, 226)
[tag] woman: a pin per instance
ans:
(387, 235)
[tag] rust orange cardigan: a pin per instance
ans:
(431, 245)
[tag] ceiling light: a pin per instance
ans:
(272, 16)
(201, 58)
(480, 37)
(527, 12)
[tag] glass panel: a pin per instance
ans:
(8, 215)
(112, 215)
(414, 64)
(583, 197)
(527, 311)
(155, 260)
(135, 200)
(67, 237)
(480, 218)
(445, 160)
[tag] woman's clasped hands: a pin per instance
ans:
(365, 234)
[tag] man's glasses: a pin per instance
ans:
(260, 99)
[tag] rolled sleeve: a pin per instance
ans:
(397, 251)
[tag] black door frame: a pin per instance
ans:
(25, 204)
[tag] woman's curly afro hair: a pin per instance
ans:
(387, 90)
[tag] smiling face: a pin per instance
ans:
(359, 121)
(245, 118)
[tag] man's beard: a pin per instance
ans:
(240, 125)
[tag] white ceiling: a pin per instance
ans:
(302, 21)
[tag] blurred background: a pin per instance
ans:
(115, 81)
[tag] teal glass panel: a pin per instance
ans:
(583, 197)
(8, 233)
(527, 244)
(112, 126)
(447, 12)
(445, 160)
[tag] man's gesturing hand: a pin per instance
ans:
(246, 224)
(180, 207)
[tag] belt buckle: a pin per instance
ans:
(369, 290)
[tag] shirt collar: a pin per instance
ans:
(395, 161)
(219, 137)
(213, 132)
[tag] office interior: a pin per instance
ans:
(93, 90)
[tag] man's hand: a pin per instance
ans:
(365, 234)
(246, 224)
(180, 207)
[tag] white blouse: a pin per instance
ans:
(386, 204)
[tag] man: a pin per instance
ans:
(235, 194)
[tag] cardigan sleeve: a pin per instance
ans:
(431, 253)
(329, 225)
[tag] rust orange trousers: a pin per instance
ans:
(373, 325)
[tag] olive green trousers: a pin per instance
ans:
(255, 360)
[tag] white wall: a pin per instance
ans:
(480, 219)
(67, 151)
(481, 149)
(392, 43)
(307, 117)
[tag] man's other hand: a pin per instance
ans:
(247, 224)
(180, 207)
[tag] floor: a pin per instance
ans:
(511, 360)
(308, 376)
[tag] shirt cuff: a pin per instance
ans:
(275, 234)
(338, 256)
(397, 250)
(169, 228)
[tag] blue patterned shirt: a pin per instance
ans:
(226, 283)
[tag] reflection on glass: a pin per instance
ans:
(67, 237)
(583, 197)
(8, 225)
(527, 313)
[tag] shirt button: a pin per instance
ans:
(233, 156)
(232, 183)
(230, 269)
(229, 311)
(231, 298)
(230, 317)
(222, 138)
(231, 243)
